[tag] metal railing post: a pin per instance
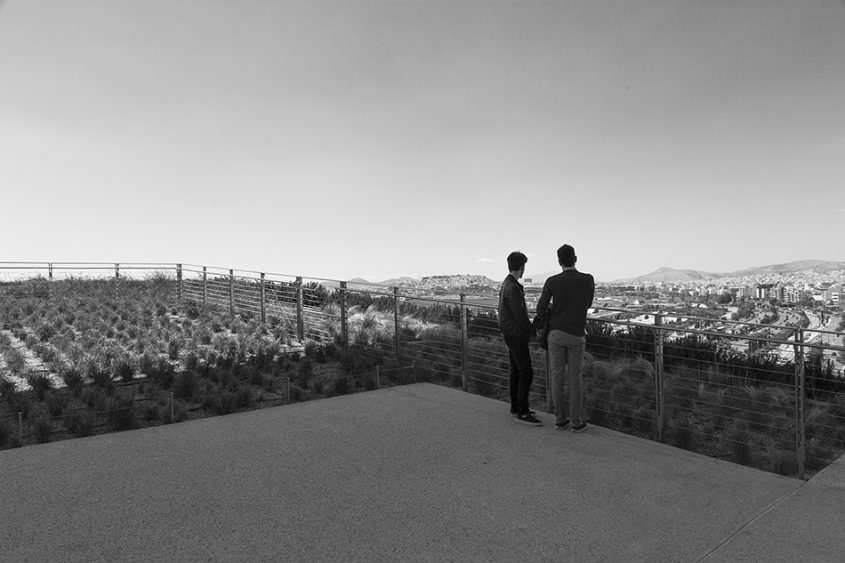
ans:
(178, 282)
(204, 286)
(800, 431)
(300, 324)
(658, 375)
(464, 339)
(232, 292)
(263, 301)
(116, 279)
(344, 328)
(49, 280)
(396, 325)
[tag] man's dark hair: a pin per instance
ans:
(566, 256)
(516, 260)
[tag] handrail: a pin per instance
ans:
(390, 291)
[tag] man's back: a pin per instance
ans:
(571, 293)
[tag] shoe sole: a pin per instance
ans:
(529, 422)
(579, 429)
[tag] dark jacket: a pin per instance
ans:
(513, 313)
(571, 294)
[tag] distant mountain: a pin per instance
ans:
(809, 266)
(672, 274)
(799, 266)
(399, 282)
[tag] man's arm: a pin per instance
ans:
(542, 307)
(514, 301)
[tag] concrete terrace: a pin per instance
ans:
(413, 473)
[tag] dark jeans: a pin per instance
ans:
(522, 373)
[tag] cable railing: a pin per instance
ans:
(771, 395)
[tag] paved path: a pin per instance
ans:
(414, 473)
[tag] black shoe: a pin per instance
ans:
(580, 428)
(560, 426)
(514, 413)
(528, 419)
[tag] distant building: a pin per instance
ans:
(763, 291)
(831, 294)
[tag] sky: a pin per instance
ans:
(382, 139)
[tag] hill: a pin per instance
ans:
(799, 266)
(808, 266)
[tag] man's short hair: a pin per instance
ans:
(566, 256)
(516, 260)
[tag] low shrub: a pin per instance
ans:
(297, 394)
(192, 361)
(596, 413)
(456, 379)
(56, 402)
(245, 398)
(19, 402)
(305, 369)
(355, 361)
(681, 434)
(42, 429)
(739, 440)
(316, 385)
(173, 349)
(101, 377)
(179, 414)
(368, 381)
(184, 385)
(121, 412)
(7, 388)
(341, 385)
(5, 435)
(643, 421)
(94, 398)
(124, 370)
(226, 403)
(40, 383)
(81, 424)
(152, 392)
(163, 373)
(152, 412)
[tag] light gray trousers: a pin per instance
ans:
(566, 354)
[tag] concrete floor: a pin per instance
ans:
(413, 473)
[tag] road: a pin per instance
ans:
(812, 336)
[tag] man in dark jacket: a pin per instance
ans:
(517, 331)
(571, 294)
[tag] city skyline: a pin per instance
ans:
(379, 140)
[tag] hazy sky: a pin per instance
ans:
(379, 139)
